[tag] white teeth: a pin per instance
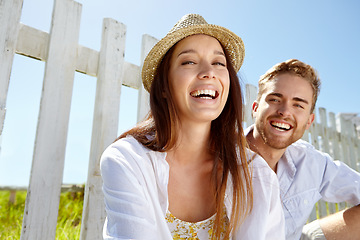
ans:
(283, 126)
(206, 93)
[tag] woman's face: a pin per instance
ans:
(198, 78)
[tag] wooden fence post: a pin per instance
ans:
(325, 134)
(42, 201)
(315, 132)
(105, 123)
(143, 98)
(250, 97)
(10, 12)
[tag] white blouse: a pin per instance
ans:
(135, 182)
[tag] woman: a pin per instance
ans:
(183, 172)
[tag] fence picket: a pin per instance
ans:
(143, 96)
(42, 202)
(10, 12)
(105, 123)
(326, 147)
(316, 133)
(335, 138)
(250, 97)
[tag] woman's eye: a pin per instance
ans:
(220, 64)
(273, 100)
(187, 63)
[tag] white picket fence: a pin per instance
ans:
(62, 54)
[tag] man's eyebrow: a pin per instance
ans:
(297, 99)
(275, 94)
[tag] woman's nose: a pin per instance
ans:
(206, 72)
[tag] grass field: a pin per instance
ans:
(69, 218)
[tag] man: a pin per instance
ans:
(283, 111)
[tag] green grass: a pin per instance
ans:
(69, 218)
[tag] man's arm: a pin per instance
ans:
(342, 225)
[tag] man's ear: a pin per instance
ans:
(310, 120)
(255, 106)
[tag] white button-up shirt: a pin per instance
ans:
(307, 175)
(135, 183)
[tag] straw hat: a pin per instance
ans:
(188, 25)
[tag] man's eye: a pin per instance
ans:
(298, 106)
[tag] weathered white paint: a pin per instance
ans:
(335, 138)
(131, 77)
(105, 123)
(87, 61)
(42, 202)
(10, 12)
(250, 97)
(32, 43)
(345, 133)
(315, 132)
(143, 98)
(328, 144)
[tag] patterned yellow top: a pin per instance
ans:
(202, 230)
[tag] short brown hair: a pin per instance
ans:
(296, 67)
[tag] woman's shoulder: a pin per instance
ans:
(130, 151)
(260, 169)
(128, 144)
(124, 148)
(256, 161)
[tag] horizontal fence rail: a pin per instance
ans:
(64, 188)
(59, 49)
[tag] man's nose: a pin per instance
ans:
(284, 110)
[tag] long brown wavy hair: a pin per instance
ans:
(158, 132)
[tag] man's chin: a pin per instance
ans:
(279, 144)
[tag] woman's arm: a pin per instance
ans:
(130, 193)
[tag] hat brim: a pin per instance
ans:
(231, 42)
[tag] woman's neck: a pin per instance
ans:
(192, 144)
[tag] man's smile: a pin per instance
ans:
(281, 126)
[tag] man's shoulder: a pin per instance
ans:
(303, 145)
(302, 150)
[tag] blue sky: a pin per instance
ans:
(324, 34)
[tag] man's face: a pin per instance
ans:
(283, 111)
